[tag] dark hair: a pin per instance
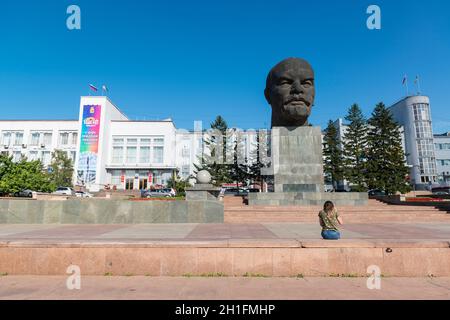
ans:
(328, 206)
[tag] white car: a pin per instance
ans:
(66, 191)
(83, 194)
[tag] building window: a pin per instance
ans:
(34, 141)
(185, 153)
(64, 138)
(158, 141)
(46, 158)
(74, 138)
(6, 138)
(146, 142)
(18, 140)
(116, 178)
(132, 142)
(71, 155)
(117, 142)
(47, 139)
(158, 154)
(421, 112)
(17, 155)
(131, 155)
(185, 170)
(33, 156)
(117, 156)
(144, 154)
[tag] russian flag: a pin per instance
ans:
(93, 88)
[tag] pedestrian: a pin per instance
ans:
(329, 221)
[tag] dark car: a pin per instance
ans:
(24, 194)
(235, 192)
(376, 192)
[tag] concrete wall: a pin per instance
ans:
(94, 211)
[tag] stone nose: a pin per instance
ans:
(297, 87)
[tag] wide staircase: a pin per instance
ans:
(236, 211)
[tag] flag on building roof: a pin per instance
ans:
(93, 88)
(404, 79)
(105, 88)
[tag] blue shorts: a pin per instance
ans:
(331, 235)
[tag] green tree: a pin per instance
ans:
(213, 159)
(239, 170)
(23, 175)
(259, 157)
(333, 160)
(354, 148)
(386, 162)
(61, 169)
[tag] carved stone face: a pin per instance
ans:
(290, 91)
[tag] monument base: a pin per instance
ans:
(202, 191)
(307, 198)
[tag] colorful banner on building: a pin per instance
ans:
(88, 153)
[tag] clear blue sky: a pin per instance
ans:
(192, 60)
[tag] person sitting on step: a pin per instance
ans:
(329, 221)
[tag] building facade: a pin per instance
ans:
(109, 149)
(442, 151)
(414, 114)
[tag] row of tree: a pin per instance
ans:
(227, 160)
(23, 174)
(369, 155)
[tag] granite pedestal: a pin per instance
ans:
(202, 191)
(297, 171)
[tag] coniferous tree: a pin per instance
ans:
(213, 159)
(332, 152)
(259, 157)
(239, 170)
(386, 162)
(354, 148)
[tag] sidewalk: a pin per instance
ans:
(227, 288)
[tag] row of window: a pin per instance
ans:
(133, 155)
(425, 147)
(423, 130)
(444, 162)
(421, 112)
(442, 146)
(44, 156)
(427, 166)
(37, 138)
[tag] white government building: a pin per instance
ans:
(107, 147)
(110, 149)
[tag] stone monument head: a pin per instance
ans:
(290, 91)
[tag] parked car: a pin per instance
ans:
(441, 193)
(65, 191)
(83, 194)
(171, 191)
(26, 193)
(235, 192)
(155, 193)
(376, 192)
